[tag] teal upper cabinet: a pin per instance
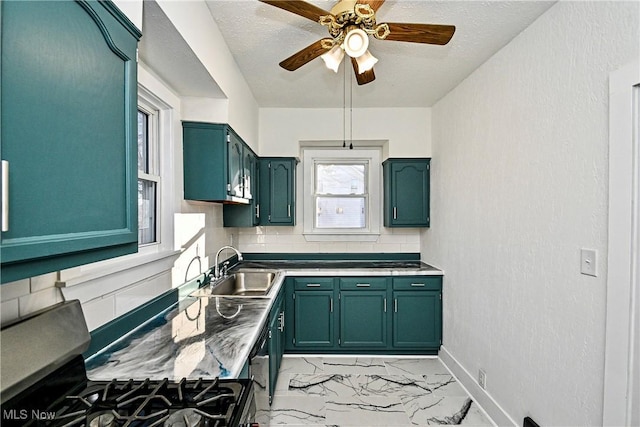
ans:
(406, 192)
(242, 215)
(277, 190)
(214, 163)
(69, 147)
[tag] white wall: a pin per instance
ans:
(407, 133)
(408, 130)
(519, 185)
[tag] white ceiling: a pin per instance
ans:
(407, 74)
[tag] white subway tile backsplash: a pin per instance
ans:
(45, 281)
(14, 290)
(9, 311)
(99, 311)
(39, 300)
(140, 293)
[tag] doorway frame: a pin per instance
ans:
(623, 272)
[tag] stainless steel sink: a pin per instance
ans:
(240, 283)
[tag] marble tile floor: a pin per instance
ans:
(368, 391)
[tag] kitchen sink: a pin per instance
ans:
(240, 283)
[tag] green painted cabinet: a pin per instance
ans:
(277, 190)
(406, 192)
(401, 315)
(245, 215)
(363, 319)
(313, 313)
(68, 131)
(214, 158)
(276, 342)
(417, 312)
(363, 312)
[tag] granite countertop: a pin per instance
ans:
(200, 337)
(211, 336)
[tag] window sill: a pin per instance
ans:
(343, 237)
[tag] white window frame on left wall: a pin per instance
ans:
(153, 257)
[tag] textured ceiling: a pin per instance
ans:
(407, 74)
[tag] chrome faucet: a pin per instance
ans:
(216, 271)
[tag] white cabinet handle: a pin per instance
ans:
(363, 285)
(5, 195)
(331, 305)
(257, 211)
(395, 213)
(395, 305)
(289, 211)
(385, 305)
(313, 285)
(417, 285)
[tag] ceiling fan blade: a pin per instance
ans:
(375, 4)
(307, 54)
(420, 33)
(299, 7)
(364, 78)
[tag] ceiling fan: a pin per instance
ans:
(350, 23)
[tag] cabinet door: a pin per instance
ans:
(275, 344)
(236, 154)
(363, 319)
(313, 319)
(417, 317)
(69, 91)
(281, 192)
(407, 193)
(249, 172)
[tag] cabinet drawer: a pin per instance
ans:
(363, 283)
(324, 283)
(417, 283)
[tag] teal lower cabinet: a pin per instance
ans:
(363, 312)
(276, 342)
(390, 315)
(417, 312)
(313, 313)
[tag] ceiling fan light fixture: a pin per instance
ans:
(333, 58)
(366, 61)
(356, 43)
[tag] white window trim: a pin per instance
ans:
(148, 104)
(313, 155)
(160, 255)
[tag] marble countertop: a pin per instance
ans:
(344, 268)
(200, 337)
(211, 336)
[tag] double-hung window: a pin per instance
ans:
(148, 175)
(341, 194)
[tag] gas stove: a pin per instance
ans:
(60, 394)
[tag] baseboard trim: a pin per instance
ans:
(479, 395)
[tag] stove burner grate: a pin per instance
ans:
(133, 403)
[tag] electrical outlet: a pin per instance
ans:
(482, 379)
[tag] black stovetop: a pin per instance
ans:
(67, 398)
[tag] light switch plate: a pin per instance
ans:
(588, 262)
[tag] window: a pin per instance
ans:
(341, 194)
(148, 175)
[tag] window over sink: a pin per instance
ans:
(341, 194)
